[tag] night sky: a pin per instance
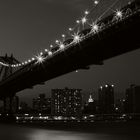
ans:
(29, 26)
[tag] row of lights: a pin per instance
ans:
(106, 86)
(77, 38)
(40, 58)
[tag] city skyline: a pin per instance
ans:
(85, 94)
(24, 31)
(70, 102)
(69, 69)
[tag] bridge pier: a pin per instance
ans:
(10, 107)
(7, 102)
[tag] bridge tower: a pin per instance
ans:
(6, 71)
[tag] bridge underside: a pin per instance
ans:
(113, 41)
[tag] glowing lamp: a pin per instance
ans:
(86, 12)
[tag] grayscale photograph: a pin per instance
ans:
(69, 69)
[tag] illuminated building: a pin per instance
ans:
(66, 102)
(132, 99)
(42, 104)
(120, 106)
(24, 108)
(106, 99)
(90, 106)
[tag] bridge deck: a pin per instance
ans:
(115, 39)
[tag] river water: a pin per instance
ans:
(19, 132)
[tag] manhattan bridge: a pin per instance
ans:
(107, 37)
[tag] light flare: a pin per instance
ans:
(94, 27)
(118, 14)
(50, 53)
(76, 38)
(96, 2)
(61, 45)
(84, 20)
(86, 12)
(40, 59)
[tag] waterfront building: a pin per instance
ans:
(41, 104)
(106, 99)
(133, 99)
(90, 106)
(66, 102)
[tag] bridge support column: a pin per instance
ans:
(4, 105)
(10, 106)
(7, 105)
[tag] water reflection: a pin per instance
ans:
(10, 132)
(58, 135)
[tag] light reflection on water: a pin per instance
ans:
(10, 132)
(58, 135)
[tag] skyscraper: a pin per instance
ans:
(66, 102)
(120, 106)
(42, 104)
(133, 99)
(90, 106)
(106, 99)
